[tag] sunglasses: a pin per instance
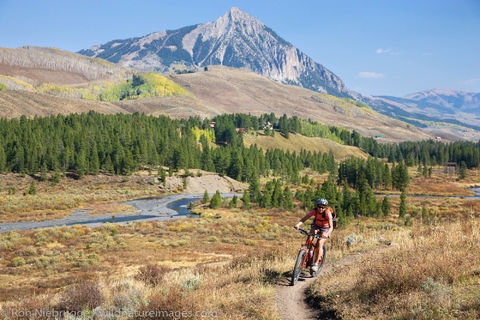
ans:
(320, 206)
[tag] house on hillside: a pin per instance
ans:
(240, 130)
(212, 124)
(268, 125)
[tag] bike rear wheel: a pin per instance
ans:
(297, 270)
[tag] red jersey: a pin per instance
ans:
(321, 219)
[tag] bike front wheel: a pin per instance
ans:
(297, 270)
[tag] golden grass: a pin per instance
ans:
(54, 202)
(230, 261)
(441, 183)
(432, 274)
(297, 142)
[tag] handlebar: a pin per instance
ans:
(306, 233)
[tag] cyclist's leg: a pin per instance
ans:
(313, 231)
(320, 244)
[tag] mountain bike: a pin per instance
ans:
(306, 256)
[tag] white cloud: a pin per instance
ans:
(382, 51)
(371, 75)
(471, 82)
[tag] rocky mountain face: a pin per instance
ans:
(236, 39)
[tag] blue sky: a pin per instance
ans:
(381, 47)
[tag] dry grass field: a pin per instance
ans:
(297, 142)
(57, 201)
(434, 273)
(230, 262)
(100, 194)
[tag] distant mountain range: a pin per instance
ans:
(236, 40)
(440, 112)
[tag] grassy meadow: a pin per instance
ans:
(230, 261)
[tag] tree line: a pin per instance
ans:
(122, 143)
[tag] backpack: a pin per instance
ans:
(334, 217)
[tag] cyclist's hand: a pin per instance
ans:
(297, 226)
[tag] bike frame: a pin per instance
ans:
(309, 243)
(307, 259)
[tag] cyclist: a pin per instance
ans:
(323, 224)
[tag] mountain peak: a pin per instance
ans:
(235, 13)
(237, 16)
(235, 39)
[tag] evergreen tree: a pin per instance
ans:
(32, 189)
(287, 199)
(44, 172)
(205, 197)
(108, 167)
(277, 194)
(3, 159)
(246, 201)
(56, 177)
(94, 160)
(462, 171)
(254, 188)
(216, 200)
(234, 200)
(386, 206)
(403, 204)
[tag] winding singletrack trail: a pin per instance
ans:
(291, 300)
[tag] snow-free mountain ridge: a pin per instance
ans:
(236, 39)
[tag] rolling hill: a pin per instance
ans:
(297, 142)
(206, 93)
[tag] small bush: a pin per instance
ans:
(171, 304)
(152, 274)
(17, 261)
(192, 283)
(87, 295)
(213, 239)
(249, 242)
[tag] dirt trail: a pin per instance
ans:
(291, 301)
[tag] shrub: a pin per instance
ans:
(205, 197)
(213, 239)
(170, 305)
(216, 200)
(152, 274)
(39, 307)
(32, 189)
(87, 295)
(249, 242)
(192, 283)
(17, 261)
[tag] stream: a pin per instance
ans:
(155, 208)
(148, 209)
